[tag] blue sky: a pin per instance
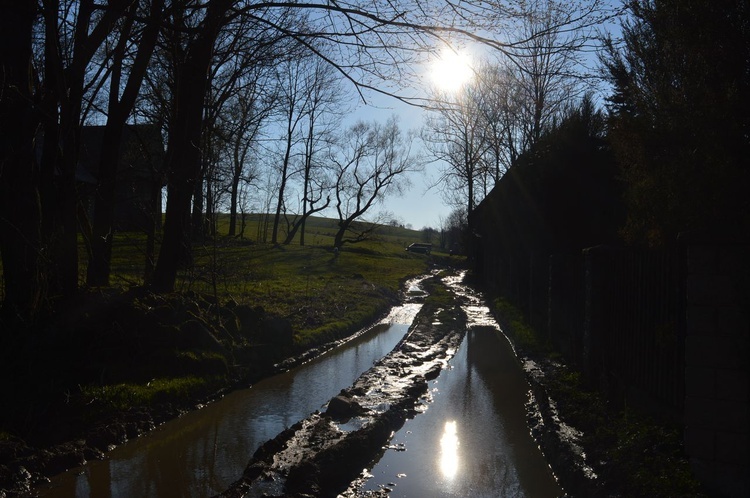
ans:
(420, 206)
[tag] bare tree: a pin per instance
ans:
(294, 100)
(499, 103)
(269, 189)
(197, 30)
(371, 163)
(454, 135)
(246, 52)
(322, 113)
(74, 32)
(242, 125)
(120, 105)
(553, 37)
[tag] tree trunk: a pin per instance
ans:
(233, 205)
(305, 186)
(65, 241)
(235, 187)
(300, 223)
(20, 214)
(282, 186)
(210, 215)
(148, 272)
(109, 160)
(338, 239)
(183, 163)
(104, 204)
(196, 223)
(183, 168)
(50, 122)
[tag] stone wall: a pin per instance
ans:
(717, 352)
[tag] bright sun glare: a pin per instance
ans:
(451, 70)
(449, 450)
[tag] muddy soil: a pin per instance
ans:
(323, 454)
(67, 432)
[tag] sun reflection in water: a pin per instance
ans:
(449, 450)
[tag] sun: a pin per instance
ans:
(451, 70)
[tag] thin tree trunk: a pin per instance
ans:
(50, 122)
(104, 204)
(196, 223)
(65, 251)
(234, 193)
(183, 161)
(104, 207)
(233, 205)
(282, 187)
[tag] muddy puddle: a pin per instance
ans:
(201, 453)
(466, 434)
(471, 438)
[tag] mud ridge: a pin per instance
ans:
(323, 454)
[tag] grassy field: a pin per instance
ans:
(309, 285)
(109, 349)
(284, 279)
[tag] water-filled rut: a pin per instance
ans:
(472, 439)
(202, 452)
(429, 408)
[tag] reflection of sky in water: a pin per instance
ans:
(470, 437)
(449, 450)
(204, 451)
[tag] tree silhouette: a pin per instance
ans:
(680, 117)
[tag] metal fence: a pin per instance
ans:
(633, 330)
(614, 313)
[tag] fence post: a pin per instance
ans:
(565, 305)
(558, 329)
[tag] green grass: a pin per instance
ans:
(119, 397)
(514, 324)
(319, 292)
(324, 296)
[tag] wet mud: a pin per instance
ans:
(323, 454)
(327, 452)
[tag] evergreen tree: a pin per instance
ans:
(680, 116)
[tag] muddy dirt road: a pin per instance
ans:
(330, 452)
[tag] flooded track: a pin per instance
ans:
(471, 438)
(204, 451)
